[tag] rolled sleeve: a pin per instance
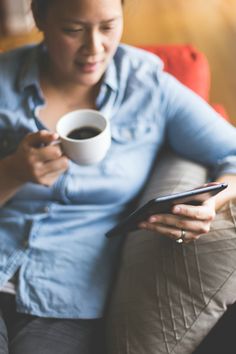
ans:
(196, 131)
(225, 166)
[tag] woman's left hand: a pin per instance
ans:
(187, 222)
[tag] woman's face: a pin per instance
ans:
(81, 37)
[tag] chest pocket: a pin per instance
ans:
(135, 132)
(133, 145)
(9, 141)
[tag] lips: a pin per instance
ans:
(89, 66)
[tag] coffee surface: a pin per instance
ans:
(84, 133)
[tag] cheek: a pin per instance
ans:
(60, 47)
(63, 53)
(67, 46)
(114, 41)
(119, 31)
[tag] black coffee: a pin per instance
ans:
(84, 133)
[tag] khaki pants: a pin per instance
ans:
(168, 296)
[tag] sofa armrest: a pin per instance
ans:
(169, 295)
(171, 174)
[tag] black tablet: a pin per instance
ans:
(165, 204)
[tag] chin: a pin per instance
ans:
(89, 76)
(89, 80)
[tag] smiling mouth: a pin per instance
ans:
(88, 66)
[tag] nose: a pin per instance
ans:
(93, 42)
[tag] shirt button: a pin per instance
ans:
(127, 134)
(46, 209)
(25, 243)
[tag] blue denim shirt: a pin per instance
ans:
(54, 236)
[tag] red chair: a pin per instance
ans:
(188, 65)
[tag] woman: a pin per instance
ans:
(56, 264)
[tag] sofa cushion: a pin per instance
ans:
(187, 64)
(168, 296)
(221, 110)
(190, 66)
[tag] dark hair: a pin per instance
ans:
(40, 6)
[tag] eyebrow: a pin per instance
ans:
(81, 22)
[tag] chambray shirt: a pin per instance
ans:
(53, 237)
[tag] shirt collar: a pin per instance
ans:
(111, 77)
(29, 73)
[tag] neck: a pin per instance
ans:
(84, 95)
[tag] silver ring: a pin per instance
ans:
(182, 236)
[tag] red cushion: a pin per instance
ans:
(221, 110)
(187, 64)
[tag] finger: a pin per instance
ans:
(179, 222)
(43, 172)
(172, 233)
(49, 179)
(49, 152)
(201, 212)
(42, 137)
(55, 166)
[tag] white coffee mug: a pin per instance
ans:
(85, 136)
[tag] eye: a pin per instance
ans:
(107, 28)
(72, 30)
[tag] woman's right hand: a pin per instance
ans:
(37, 159)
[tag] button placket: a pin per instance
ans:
(46, 209)
(33, 227)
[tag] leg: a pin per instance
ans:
(31, 334)
(3, 336)
(3, 328)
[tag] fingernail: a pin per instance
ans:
(56, 142)
(176, 209)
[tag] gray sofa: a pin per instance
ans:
(168, 296)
